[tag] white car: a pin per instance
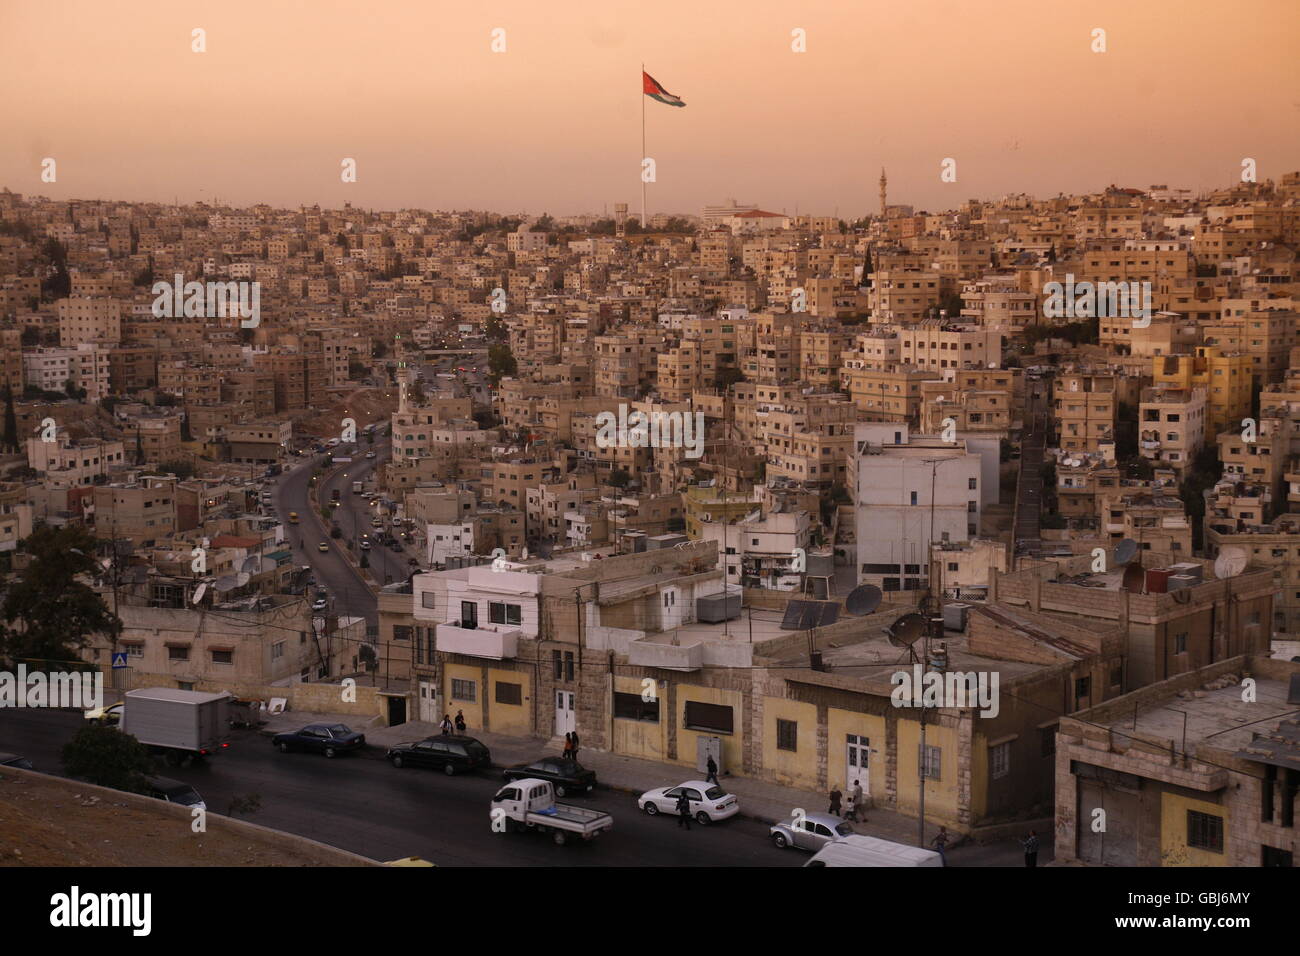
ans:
(109, 714)
(709, 802)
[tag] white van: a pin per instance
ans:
(859, 850)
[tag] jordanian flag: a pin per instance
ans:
(650, 86)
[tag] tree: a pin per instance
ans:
(56, 283)
(619, 477)
(49, 613)
(181, 469)
(501, 362)
(105, 756)
(11, 422)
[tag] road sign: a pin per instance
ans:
(119, 660)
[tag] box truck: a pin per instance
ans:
(182, 725)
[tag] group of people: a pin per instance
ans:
(446, 724)
(570, 746)
(852, 807)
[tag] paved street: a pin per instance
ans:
(363, 804)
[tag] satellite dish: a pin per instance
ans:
(907, 630)
(1125, 550)
(863, 600)
(1230, 563)
(199, 591)
(1135, 578)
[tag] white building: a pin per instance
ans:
(910, 491)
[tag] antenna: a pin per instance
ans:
(863, 599)
(906, 630)
(1230, 562)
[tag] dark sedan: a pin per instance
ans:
(15, 760)
(566, 776)
(449, 752)
(327, 739)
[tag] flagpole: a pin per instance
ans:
(642, 164)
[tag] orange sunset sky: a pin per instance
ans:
(434, 119)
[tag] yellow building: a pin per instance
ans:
(1225, 377)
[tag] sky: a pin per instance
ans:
(413, 92)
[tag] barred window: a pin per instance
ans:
(509, 693)
(1205, 831)
(632, 707)
(1000, 760)
(929, 759)
(466, 690)
(787, 735)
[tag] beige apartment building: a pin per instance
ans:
(144, 510)
(890, 395)
(902, 297)
(84, 320)
(935, 345)
(1084, 406)
(1171, 425)
(68, 464)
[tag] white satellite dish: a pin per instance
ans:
(1230, 563)
(199, 591)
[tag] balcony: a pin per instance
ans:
(675, 657)
(496, 642)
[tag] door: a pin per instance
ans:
(566, 719)
(429, 702)
(469, 614)
(858, 763)
(672, 608)
(396, 711)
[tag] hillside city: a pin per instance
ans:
(717, 497)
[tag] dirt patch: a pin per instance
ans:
(49, 821)
(364, 405)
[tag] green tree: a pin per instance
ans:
(49, 612)
(181, 469)
(105, 756)
(501, 362)
(619, 477)
(11, 422)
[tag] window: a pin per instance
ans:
(277, 650)
(787, 735)
(1000, 760)
(633, 707)
(509, 693)
(558, 665)
(1180, 643)
(1204, 831)
(712, 718)
(466, 690)
(568, 665)
(427, 599)
(223, 657)
(914, 497)
(1082, 688)
(133, 650)
(401, 632)
(972, 484)
(1047, 741)
(178, 653)
(501, 613)
(929, 760)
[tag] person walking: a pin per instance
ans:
(1031, 849)
(836, 797)
(460, 721)
(574, 754)
(445, 726)
(568, 747)
(712, 769)
(855, 804)
(940, 843)
(683, 810)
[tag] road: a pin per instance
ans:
(361, 803)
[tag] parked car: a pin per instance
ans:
(450, 753)
(860, 850)
(15, 760)
(175, 791)
(370, 454)
(365, 545)
(104, 715)
(709, 803)
(566, 776)
(810, 832)
(323, 546)
(319, 604)
(327, 739)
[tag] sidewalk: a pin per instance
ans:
(759, 800)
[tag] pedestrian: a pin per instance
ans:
(712, 768)
(836, 797)
(568, 746)
(940, 843)
(574, 755)
(1031, 849)
(683, 810)
(855, 804)
(460, 721)
(445, 726)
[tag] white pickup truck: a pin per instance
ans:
(529, 804)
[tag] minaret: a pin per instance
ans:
(884, 207)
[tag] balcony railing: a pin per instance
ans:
(494, 641)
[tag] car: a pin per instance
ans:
(15, 760)
(365, 545)
(319, 604)
(565, 775)
(449, 752)
(370, 454)
(323, 546)
(105, 715)
(175, 791)
(709, 802)
(327, 739)
(810, 831)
